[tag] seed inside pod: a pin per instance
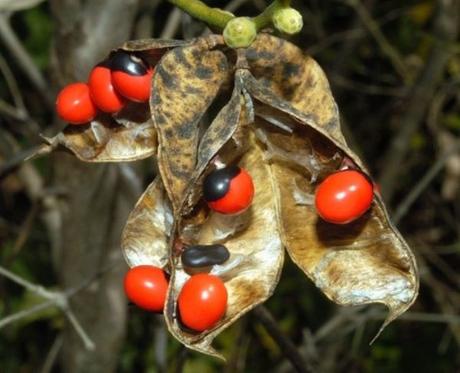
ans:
(204, 255)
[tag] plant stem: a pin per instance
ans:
(289, 349)
(265, 18)
(219, 18)
(199, 10)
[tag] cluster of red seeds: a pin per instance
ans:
(121, 77)
(202, 301)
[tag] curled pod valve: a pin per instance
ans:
(131, 76)
(228, 190)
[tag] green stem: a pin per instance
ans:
(199, 10)
(219, 18)
(264, 19)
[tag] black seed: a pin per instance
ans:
(216, 184)
(204, 255)
(128, 63)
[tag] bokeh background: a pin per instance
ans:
(394, 69)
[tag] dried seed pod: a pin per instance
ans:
(186, 82)
(106, 140)
(281, 123)
(127, 136)
(257, 247)
(145, 238)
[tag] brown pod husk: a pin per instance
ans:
(232, 117)
(186, 83)
(256, 256)
(282, 69)
(145, 237)
(106, 140)
(282, 124)
(366, 261)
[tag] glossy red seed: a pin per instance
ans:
(202, 302)
(133, 87)
(74, 104)
(343, 196)
(146, 286)
(102, 91)
(238, 197)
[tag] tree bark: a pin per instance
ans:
(96, 204)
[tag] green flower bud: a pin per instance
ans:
(240, 32)
(288, 20)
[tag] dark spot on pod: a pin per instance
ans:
(216, 184)
(128, 63)
(204, 255)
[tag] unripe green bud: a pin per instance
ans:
(288, 20)
(240, 32)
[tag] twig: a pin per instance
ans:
(58, 299)
(266, 319)
(89, 344)
(25, 231)
(12, 85)
(52, 355)
(199, 10)
(172, 24)
(419, 317)
(161, 341)
(446, 29)
(28, 66)
(26, 313)
(180, 360)
(37, 289)
(368, 89)
(405, 205)
(24, 155)
(380, 38)
(264, 19)
(219, 18)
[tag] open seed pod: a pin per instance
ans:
(126, 136)
(253, 239)
(269, 110)
(362, 262)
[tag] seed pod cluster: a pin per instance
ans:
(251, 161)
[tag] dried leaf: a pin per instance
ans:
(131, 137)
(255, 263)
(145, 237)
(186, 82)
